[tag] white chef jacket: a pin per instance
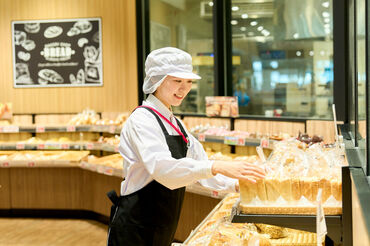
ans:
(147, 156)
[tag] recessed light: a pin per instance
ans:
(244, 16)
(234, 8)
(254, 23)
(243, 29)
(260, 28)
(298, 53)
(234, 22)
(210, 4)
(326, 4)
(325, 14)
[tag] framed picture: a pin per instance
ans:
(57, 53)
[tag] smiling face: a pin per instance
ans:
(173, 90)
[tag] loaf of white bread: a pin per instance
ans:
(295, 173)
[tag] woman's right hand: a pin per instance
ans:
(238, 170)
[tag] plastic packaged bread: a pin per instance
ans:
(295, 173)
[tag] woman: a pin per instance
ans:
(161, 158)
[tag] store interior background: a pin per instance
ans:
(119, 92)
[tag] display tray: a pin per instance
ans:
(234, 140)
(113, 129)
(59, 146)
(294, 221)
(211, 229)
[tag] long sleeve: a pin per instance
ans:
(218, 182)
(150, 147)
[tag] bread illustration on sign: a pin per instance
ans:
(82, 26)
(28, 44)
(32, 27)
(24, 55)
(49, 76)
(19, 37)
(53, 31)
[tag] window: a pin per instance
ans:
(286, 57)
(186, 24)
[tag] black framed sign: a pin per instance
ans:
(57, 53)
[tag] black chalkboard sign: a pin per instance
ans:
(57, 53)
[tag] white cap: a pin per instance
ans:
(166, 61)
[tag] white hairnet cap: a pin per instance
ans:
(166, 61)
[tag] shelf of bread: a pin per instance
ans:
(113, 129)
(295, 173)
(111, 165)
(41, 158)
(109, 144)
(216, 229)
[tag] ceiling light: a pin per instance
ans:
(260, 28)
(311, 53)
(322, 53)
(210, 4)
(234, 22)
(326, 4)
(243, 29)
(254, 23)
(250, 33)
(295, 35)
(325, 14)
(235, 8)
(326, 20)
(298, 53)
(244, 16)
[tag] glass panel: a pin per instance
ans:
(361, 73)
(286, 54)
(186, 24)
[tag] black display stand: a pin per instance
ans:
(339, 227)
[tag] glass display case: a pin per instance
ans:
(286, 57)
(186, 25)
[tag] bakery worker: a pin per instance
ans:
(161, 157)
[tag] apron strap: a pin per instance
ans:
(158, 119)
(112, 195)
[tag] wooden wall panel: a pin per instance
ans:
(270, 127)
(46, 188)
(194, 121)
(321, 128)
(4, 188)
(119, 92)
(95, 188)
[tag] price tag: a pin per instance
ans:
(241, 141)
(31, 164)
(41, 146)
(5, 164)
(214, 193)
(231, 140)
(202, 137)
(71, 128)
(65, 146)
(89, 146)
(265, 143)
(108, 171)
(116, 149)
(10, 129)
(19, 146)
(40, 129)
(112, 129)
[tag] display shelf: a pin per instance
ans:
(200, 190)
(110, 171)
(299, 222)
(40, 129)
(237, 141)
(59, 146)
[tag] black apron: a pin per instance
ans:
(149, 216)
